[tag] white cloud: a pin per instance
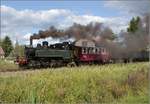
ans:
(17, 23)
(27, 36)
(133, 7)
(85, 19)
(29, 18)
(20, 24)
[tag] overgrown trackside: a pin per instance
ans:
(122, 83)
(6, 65)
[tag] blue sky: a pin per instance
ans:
(81, 7)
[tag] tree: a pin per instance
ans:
(7, 46)
(134, 24)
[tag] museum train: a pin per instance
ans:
(63, 54)
(77, 53)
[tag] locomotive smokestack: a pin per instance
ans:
(31, 41)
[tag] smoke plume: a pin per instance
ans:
(104, 36)
(138, 41)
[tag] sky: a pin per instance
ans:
(20, 19)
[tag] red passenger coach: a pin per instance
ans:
(93, 54)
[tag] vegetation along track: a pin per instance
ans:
(110, 83)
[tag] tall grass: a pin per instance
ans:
(116, 83)
(7, 65)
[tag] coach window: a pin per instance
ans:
(92, 50)
(84, 50)
(97, 50)
(102, 49)
(87, 50)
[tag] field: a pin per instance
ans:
(110, 84)
(6, 65)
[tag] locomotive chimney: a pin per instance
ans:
(31, 41)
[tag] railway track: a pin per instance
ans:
(18, 72)
(8, 70)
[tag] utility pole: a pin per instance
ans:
(0, 39)
(16, 47)
(0, 30)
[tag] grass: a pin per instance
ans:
(113, 83)
(6, 65)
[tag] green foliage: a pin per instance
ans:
(133, 26)
(116, 83)
(7, 46)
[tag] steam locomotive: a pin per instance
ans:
(63, 54)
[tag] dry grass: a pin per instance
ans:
(6, 65)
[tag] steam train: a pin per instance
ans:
(63, 54)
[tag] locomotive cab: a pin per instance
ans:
(45, 44)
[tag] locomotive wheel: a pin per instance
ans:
(23, 67)
(38, 65)
(71, 64)
(32, 64)
(53, 63)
